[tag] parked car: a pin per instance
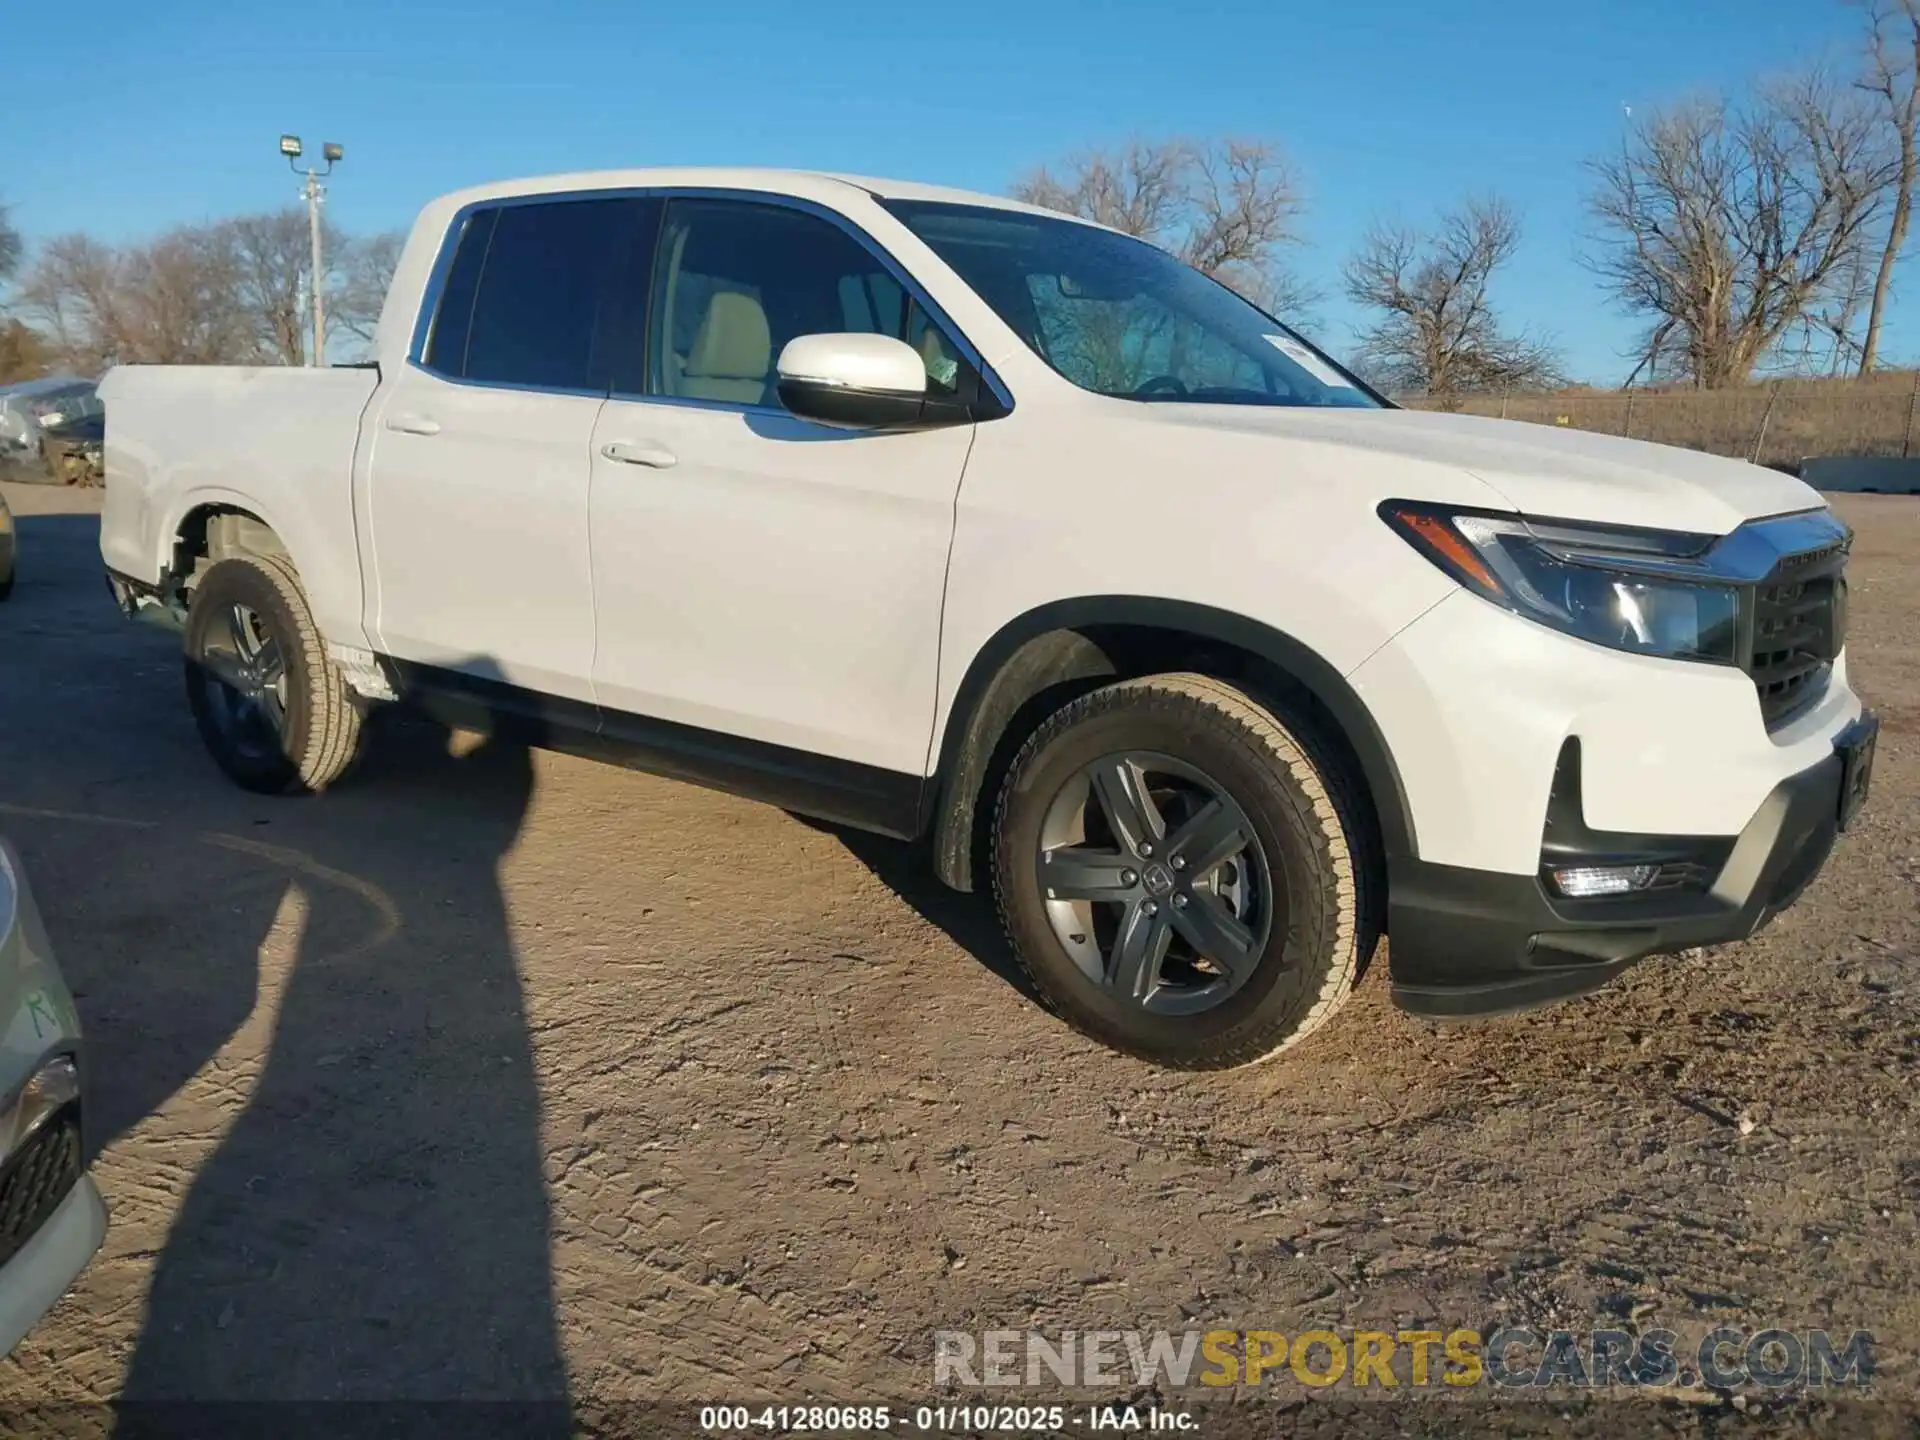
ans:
(32, 408)
(51, 1217)
(954, 519)
(73, 450)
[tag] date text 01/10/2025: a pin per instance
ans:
(944, 1419)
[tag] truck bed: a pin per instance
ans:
(273, 441)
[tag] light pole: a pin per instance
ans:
(313, 192)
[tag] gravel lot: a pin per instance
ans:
(503, 1074)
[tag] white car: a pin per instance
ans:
(950, 518)
(51, 1217)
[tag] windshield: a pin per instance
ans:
(62, 399)
(1118, 316)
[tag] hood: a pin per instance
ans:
(1542, 470)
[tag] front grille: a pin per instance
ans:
(37, 1177)
(1797, 632)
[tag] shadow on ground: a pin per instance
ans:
(969, 920)
(361, 1213)
(373, 1225)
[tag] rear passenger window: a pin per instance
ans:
(523, 300)
(452, 322)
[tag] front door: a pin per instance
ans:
(756, 574)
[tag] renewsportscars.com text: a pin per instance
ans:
(1515, 1357)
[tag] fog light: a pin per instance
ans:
(1584, 882)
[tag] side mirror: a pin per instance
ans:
(860, 382)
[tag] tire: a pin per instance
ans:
(1294, 892)
(295, 735)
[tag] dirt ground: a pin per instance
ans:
(506, 1075)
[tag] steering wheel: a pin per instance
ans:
(1162, 384)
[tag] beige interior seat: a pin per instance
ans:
(938, 357)
(732, 352)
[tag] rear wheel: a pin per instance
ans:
(1177, 871)
(273, 712)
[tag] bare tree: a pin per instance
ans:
(1893, 79)
(183, 301)
(1726, 227)
(272, 255)
(1825, 340)
(231, 292)
(73, 291)
(1437, 330)
(23, 353)
(11, 245)
(175, 300)
(1135, 188)
(1229, 208)
(360, 284)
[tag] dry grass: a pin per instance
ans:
(1779, 423)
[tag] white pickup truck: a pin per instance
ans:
(949, 518)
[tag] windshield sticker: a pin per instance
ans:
(1308, 361)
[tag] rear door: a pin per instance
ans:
(757, 574)
(480, 459)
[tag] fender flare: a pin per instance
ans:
(1043, 647)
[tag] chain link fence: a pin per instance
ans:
(1779, 423)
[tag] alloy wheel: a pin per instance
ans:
(249, 668)
(1156, 883)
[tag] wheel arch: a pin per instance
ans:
(305, 530)
(211, 525)
(1047, 656)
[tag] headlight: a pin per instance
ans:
(1600, 583)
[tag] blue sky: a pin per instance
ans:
(169, 112)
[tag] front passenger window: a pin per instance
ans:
(735, 281)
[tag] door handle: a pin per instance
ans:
(640, 452)
(413, 424)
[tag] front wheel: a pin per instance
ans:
(1178, 872)
(273, 711)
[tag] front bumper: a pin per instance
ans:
(1466, 942)
(48, 1264)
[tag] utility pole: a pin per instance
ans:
(314, 193)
